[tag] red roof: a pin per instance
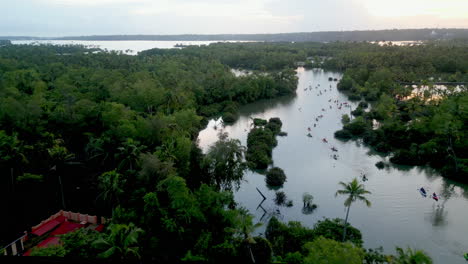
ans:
(99, 228)
(49, 242)
(46, 227)
(66, 227)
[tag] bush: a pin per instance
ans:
(363, 105)
(345, 84)
(51, 251)
(260, 142)
(30, 178)
(280, 198)
(259, 122)
(229, 117)
(287, 238)
(357, 127)
(380, 165)
(382, 147)
(333, 229)
(343, 134)
(359, 111)
(275, 177)
(345, 119)
(354, 97)
(325, 251)
(405, 157)
(294, 258)
(258, 156)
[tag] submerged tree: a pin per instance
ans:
(224, 162)
(355, 192)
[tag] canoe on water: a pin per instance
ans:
(423, 193)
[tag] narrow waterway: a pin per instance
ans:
(399, 215)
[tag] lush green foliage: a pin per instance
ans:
(50, 251)
(260, 142)
(328, 251)
(418, 126)
(123, 129)
(275, 177)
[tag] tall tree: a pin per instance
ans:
(121, 242)
(225, 162)
(355, 192)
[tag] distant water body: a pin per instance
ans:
(130, 47)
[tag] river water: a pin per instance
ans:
(399, 215)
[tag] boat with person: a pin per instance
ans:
(423, 192)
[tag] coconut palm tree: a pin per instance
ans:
(111, 183)
(244, 226)
(410, 256)
(355, 192)
(120, 243)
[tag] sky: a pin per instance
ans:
(50, 18)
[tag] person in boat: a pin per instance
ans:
(434, 196)
(364, 178)
(308, 128)
(423, 190)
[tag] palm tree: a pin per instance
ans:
(111, 183)
(129, 154)
(410, 256)
(120, 243)
(244, 226)
(355, 192)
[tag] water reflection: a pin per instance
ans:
(262, 106)
(438, 215)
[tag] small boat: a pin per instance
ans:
(325, 140)
(308, 128)
(335, 157)
(309, 135)
(423, 192)
(435, 197)
(334, 149)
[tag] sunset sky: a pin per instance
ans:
(91, 17)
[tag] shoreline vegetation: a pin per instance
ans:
(260, 142)
(324, 36)
(123, 129)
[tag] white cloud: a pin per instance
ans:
(407, 8)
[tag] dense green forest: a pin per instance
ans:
(118, 134)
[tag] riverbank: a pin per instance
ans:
(398, 216)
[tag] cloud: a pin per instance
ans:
(409, 8)
(87, 17)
